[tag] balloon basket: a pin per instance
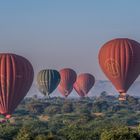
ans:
(122, 97)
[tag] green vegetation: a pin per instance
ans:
(97, 118)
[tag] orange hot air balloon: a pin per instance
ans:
(84, 83)
(68, 77)
(16, 76)
(120, 61)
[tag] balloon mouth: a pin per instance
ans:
(66, 93)
(122, 96)
(66, 96)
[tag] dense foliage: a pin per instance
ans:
(96, 118)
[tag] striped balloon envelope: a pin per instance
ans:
(48, 80)
(120, 61)
(16, 77)
(68, 77)
(84, 83)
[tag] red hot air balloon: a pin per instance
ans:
(84, 83)
(120, 61)
(68, 77)
(16, 76)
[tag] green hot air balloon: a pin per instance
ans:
(48, 80)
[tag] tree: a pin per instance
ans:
(132, 100)
(36, 108)
(7, 131)
(119, 133)
(24, 134)
(51, 110)
(67, 107)
(100, 106)
(75, 132)
(103, 94)
(41, 137)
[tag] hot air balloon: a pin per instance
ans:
(120, 61)
(84, 83)
(68, 77)
(48, 81)
(16, 76)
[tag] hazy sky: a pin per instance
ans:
(66, 33)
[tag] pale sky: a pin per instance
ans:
(66, 33)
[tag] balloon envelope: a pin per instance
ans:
(16, 76)
(48, 81)
(68, 77)
(84, 83)
(120, 61)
